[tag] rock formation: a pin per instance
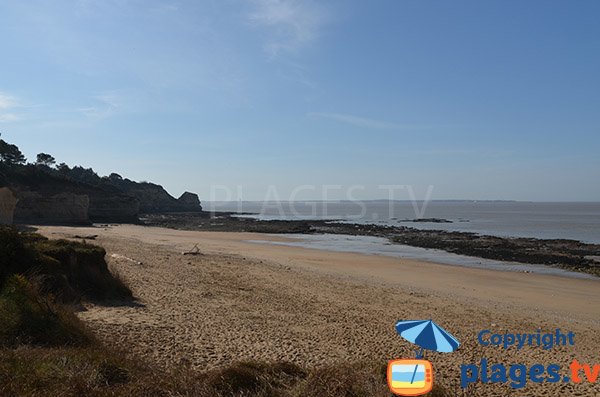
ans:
(154, 198)
(113, 208)
(8, 202)
(189, 201)
(78, 196)
(66, 208)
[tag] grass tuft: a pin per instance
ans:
(29, 318)
(347, 380)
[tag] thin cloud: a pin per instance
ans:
(105, 105)
(8, 117)
(7, 103)
(290, 24)
(361, 121)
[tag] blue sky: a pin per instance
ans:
(480, 99)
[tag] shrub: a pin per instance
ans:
(28, 318)
(15, 257)
(85, 269)
(67, 269)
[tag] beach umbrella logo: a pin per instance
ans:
(414, 377)
(427, 335)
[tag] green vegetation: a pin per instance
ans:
(45, 175)
(30, 318)
(45, 171)
(45, 159)
(68, 270)
(10, 154)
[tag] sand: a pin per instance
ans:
(242, 300)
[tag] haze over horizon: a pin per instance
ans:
(493, 100)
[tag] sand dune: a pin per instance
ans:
(242, 300)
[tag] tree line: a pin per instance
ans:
(12, 157)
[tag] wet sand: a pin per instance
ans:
(242, 300)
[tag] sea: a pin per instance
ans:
(548, 220)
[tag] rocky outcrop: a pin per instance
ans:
(63, 208)
(189, 202)
(153, 198)
(8, 202)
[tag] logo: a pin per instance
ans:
(410, 377)
(519, 375)
(414, 377)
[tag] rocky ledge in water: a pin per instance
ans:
(567, 254)
(426, 220)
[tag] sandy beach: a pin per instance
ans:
(241, 300)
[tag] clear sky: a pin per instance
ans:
(480, 99)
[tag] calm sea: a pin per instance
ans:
(578, 221)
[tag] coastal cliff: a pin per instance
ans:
(33, 193)
(154, 198)
(114, 208)
(35, 207)
(8, 201)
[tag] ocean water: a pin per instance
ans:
(577, 221)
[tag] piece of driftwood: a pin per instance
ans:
(87, 237)
(123, 257)
(194, 251)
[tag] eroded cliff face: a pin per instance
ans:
(64, 208)
(8, 202)
(153, 198)
(74, 208)
(113, 208)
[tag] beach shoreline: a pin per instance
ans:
(368, 245)
(240, 300)
(571, 255)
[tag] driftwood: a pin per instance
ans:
(194, 251)
(123, 257)
(88, 237)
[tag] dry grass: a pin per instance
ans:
(31, 371)
(30, 318)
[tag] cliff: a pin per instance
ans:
(114, 208)
(44, 196)
(154, 198)
(35, 207)
(8, 201)
(79, 196)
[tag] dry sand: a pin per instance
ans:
(243, 300)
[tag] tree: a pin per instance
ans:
(45, 159)
(85, 175)
(10, 154)
(63, 168)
